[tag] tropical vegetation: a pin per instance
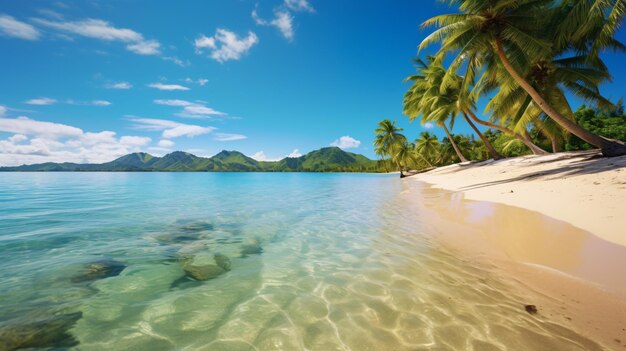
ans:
(528, 59)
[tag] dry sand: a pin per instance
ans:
(581, 188)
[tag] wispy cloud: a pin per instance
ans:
(191, 109)
(299, 5)
(282, 20)
(11, 27)
(200, 81)
(164, 143)
(229, 137)
(41, 101)
(346, 142)
(225, 45)
(3, 110)
(120, 85)
(147, 47)
(429, 125)
(177, 61)
(170, 129)
(162, 86)
(103, 30)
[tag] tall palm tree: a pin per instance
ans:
(413, 106)
(389, 141)
(521, 33)
(445, 99)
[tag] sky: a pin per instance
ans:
(89, 81)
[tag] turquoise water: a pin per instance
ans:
(316, 262)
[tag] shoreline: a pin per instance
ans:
(548, 224)
(580, 188)
(573, 277)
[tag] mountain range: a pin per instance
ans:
(328, 159)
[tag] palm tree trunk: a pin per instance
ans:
(555, 144)
(536, 150)
(494, 154)
(456, 148)
(608, 147)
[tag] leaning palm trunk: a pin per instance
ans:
(494, 154)
(608, 147)
(456, 148)
(536, 150)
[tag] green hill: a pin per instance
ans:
(329, 159)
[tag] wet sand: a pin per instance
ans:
(579, 276)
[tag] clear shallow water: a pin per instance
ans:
(345, 266)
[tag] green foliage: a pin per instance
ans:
(330, 159)
(610, 124)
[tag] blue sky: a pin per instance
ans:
(88, 81)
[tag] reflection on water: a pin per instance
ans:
(245, 262)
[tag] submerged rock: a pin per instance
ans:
(251, 249)
(99, 270)
(222, 261)
(197, 226)
(48, 333)
(204, 272)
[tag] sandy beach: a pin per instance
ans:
(580, 188)
(552, 223)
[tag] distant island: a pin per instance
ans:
(328, 159)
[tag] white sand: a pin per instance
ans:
(581, 188)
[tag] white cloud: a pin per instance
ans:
(200, 81)
(147, 47)
(295, 153)
(283, 21)
(41, 101)
(27, 126)
(120, 85)
(261, 156)
(191, 109)
(134, 140)
(429, 125)
(170, 129)
(229, 137)
(100, 103)
(299, 5)
(11, 27)
(3, 110)
(164, 143)
(346, 142)
(103, 30)
(162, 86)
(172, 102)
(225, 45)
(39, 141)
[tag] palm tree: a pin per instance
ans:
(413, 100)
(448, 98)
(521, 33)
(389, 140)
(428, 146)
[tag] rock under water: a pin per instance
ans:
(48, 333)
(222, 261)
(251, 249)
(99, 270)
